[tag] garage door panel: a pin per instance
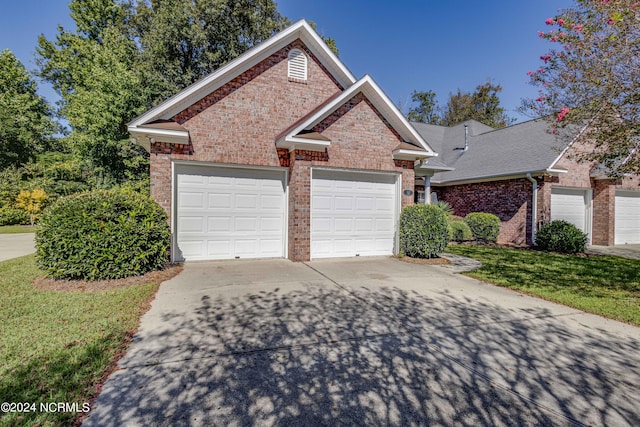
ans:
(343, 203)
(219, 224)
(219, 201)
(365, 203)
(570, 204)
(242, 213)
(193, 224)
(191, 200)
(271, 202)
(627, 217)
(352, 214)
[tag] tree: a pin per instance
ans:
(125, 57)
(427, 110)
(31, 202)
(94, 71)
(482, 105)
(25, 117)
(183, 40)
(589, 84)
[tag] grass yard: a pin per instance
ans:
(604, 285)
(58, 346)
(14, 229)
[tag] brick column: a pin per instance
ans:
(603, 229)
(299, 210)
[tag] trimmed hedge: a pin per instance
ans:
(561, 236)
(102, 235)
(485, 227)
(13, 216)
(423, 231)
(459, 231)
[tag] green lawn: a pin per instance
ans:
(605, 285)
(55, 346)
(14, 229)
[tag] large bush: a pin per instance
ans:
(485, 227)
(459, 231)
(423, 231)
(561, 236)
(102, 235)
(10, 215)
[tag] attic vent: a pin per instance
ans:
(297, 65)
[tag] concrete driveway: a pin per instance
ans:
(366, 342)
(16, 245)
(624, 251)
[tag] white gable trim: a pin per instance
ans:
(380, 100)
(198, 90)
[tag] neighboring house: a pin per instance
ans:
(527, 177)
(282, 153)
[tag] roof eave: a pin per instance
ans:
(500, 177)
(146, 135)
(296, 143)
(410, 154)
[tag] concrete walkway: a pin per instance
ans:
(16, 245)
(369, 341)
(625, 251)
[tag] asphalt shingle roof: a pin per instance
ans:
(518, 149)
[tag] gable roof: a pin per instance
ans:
(515, 150)
(417, 145)
(198, 90)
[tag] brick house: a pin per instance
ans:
(527, 177)
(282, 152)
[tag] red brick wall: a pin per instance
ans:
(509, 200)
(239, 122)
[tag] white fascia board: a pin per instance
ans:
(500, 177)
(393, 115)
(409, 154)
(303, 144)
(164, 135)
(198, 90)
(556, 171)
(372, 91)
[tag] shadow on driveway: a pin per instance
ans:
(320, 351)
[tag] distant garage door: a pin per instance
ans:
(226, 213)
(571, 204)
(627, 217)
(352, 214)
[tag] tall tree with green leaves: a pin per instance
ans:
(184, 40)
(589, 82)
(426, 110)
(25, 117)
(125, 57)
(482, 105)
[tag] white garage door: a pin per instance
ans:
(570, 204)
(352, 214)
(225, 213)
(627, 217)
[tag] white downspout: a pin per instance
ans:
(534, 207)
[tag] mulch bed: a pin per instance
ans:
(48, 284)
(427, 261)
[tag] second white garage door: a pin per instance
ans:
(353, 214)
(571, 205)
(627, 217)
(227, 213)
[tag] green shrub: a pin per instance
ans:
(459, 231)
(446, 207)
(10, 215)
(485, 227)
(561, 236)
(102, 235)
(423, 231)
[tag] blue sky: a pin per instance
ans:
(439, 45)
